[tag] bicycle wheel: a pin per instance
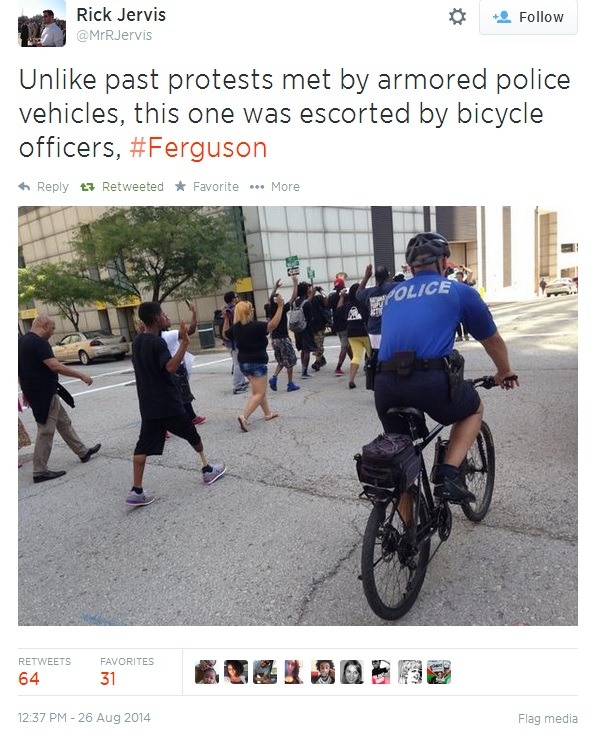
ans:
(479, 473)
(392, 567)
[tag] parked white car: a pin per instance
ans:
(84, 347)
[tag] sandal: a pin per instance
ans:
(272, 415)
(242, 423)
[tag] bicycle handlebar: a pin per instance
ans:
(489, 381)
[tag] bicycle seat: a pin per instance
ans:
(413, 416)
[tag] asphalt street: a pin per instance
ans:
(277, 539)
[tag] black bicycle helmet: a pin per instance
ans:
(426, 248)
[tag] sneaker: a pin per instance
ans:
(218, 469)
(339, 372)
(241, 389)
(292, 387)
(458, 339)
(198, 420)
(466, 337)
(454, 491)
(316, 366)
(322, 362)
(134, 499)
(272, 382)
(352, 384)
(305, 374)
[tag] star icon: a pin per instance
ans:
(180, 187)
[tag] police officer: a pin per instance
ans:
(418, 330)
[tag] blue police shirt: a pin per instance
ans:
(423, 313)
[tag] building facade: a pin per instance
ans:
(509, 250)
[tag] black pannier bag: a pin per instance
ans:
(389, 463)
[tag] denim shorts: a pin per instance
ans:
(255, 370)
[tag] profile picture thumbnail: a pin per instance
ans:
(410, 671)
(323, 672)
(205, 672)
(291, 675)
(235, 671)
(438, 672)
(351, 672)
(41, 25)
(264, 672)
(380, 672)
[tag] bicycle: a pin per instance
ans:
(396, 554)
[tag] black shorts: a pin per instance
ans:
(153, 434)
(305, 341)
(426, 390)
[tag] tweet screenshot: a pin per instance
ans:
(297, 369)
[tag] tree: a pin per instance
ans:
(157, 252)
(64, 286)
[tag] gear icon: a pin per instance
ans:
(457, 16)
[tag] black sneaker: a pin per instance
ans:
(315, 366)
(454, 491)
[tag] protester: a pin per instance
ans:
(336, 301)
(356, 330)
(239, 383)
(181, 375)
(251, 338)
(321, 318)
(305, 342)
(283, 348)
(39, 374)
(160, 401)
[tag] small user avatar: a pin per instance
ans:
(292, 672)
(205, 672)
(380, 672)
(265, 672)
(235, 671)
(438, 672)
(45, 29)
(351, 672)
(324, 672)
(410, 671)
(503, 17)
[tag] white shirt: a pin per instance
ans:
(173, 343)
(52, 35)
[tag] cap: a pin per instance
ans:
(338, 283)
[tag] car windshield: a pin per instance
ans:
(96, 333)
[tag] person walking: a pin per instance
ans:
(283, 348)
(543, 284)
(336, 301)
(320, 319)
(181, 375)
(39, 373)
(305, 342)
(356, 330)
(160, 401)
(231, 300)
(251, 337)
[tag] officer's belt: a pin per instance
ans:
(425, 364)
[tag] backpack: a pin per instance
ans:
(297, 318)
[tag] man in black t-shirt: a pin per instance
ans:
(39, 372)
(160, 400)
